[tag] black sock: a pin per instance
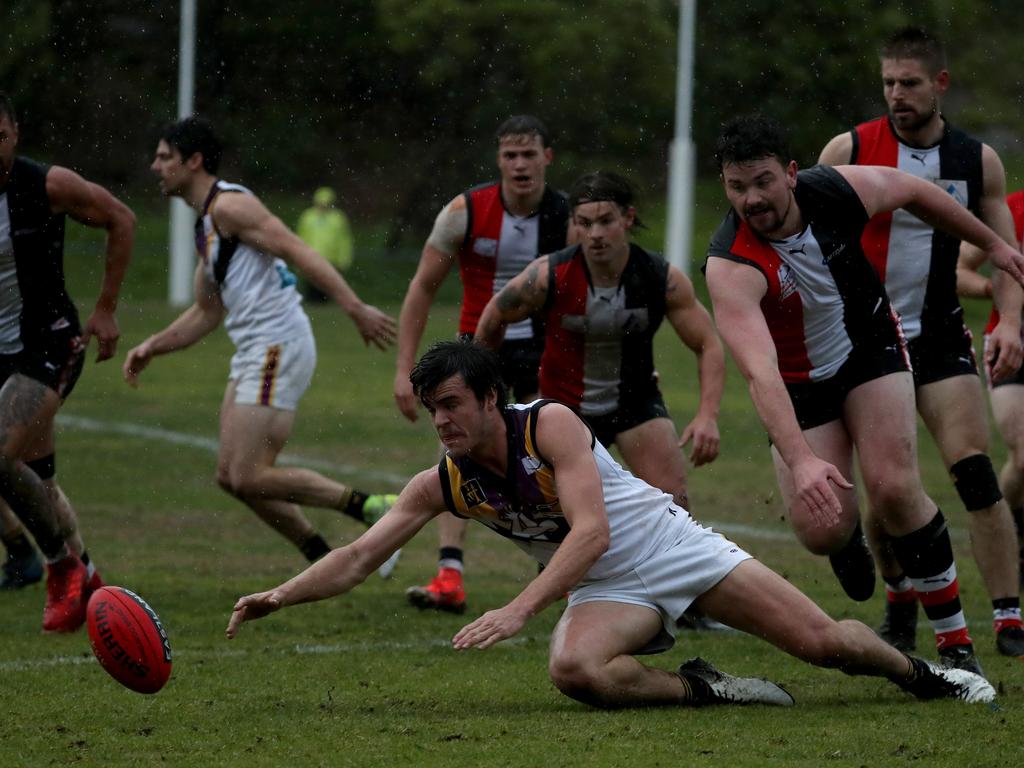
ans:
(354, 508)
(451, 553)
(314, 547)
(700, 690)
(1006, 604)
(19, 546)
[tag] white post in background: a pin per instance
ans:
(179, 287)
(679, 229)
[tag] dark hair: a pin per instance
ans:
(751, 137)
(599, 186)
(191, 135)
(915, 43)
(479, 367)
(524, 125)
(7, 107)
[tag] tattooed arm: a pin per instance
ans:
(521, 297)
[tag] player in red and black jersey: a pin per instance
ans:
(918, 266)
(787, 275)
(602, 301)
(491, 232)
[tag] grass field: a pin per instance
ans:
(364, 680)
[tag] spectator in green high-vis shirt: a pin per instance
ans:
(326, 230)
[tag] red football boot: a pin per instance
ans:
(65, 588)
(443, 593)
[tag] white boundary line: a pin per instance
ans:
(211, 445)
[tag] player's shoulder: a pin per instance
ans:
(838, 150)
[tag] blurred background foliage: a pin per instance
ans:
(394, 102)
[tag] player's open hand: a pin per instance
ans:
(252, 607)
(374, 326)
(704, 435)
(813, 480)
(102, 325)
(1003, 351)
(492, 627)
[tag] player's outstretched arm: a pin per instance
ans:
(736, 293)
(345, 568)
(692, 323)
(245, 217)
(886, 189)
(94, 206)
(566, 443)
(521, 297)
(202, 317)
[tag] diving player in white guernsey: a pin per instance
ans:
(631, 560)
(243, 278)
(918, 264)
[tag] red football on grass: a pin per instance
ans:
(128, 639)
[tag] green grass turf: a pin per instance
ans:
(364, 680)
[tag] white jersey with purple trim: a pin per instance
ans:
(256, 288)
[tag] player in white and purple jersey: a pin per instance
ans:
(631, 560)
(810, 326)
(917, 263)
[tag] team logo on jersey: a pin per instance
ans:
(955, 188)
(472, 492)
(787, 281)
(287, 276)
(485, 246)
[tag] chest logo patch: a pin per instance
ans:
(787, 281)
(485, 246)
(472, 492)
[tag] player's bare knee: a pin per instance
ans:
(577, 678)
(976, 482)
(820, 541)
(823, 645)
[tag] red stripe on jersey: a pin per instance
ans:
(782, 306)
(1016, 203)
(478, 257)
(877, 146)
(561, 366)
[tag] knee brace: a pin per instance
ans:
(45, 466)
(976, 482)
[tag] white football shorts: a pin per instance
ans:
(274, 375)
(669, 579)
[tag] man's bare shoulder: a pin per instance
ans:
(838, 151)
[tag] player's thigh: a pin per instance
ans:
(27, 406)
(1008, 411)
(755, 599)
(651, 450)
(830, 442)
(953, 409)
(882, 422)
(252, 435)
(593, 633)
